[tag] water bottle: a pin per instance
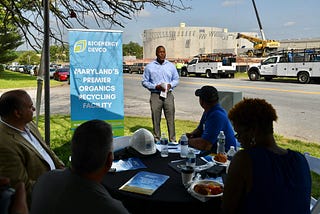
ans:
(221, 143)
(191, 158)
(232, 151)
(183, 146)
(164, 145)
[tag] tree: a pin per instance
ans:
(27, 15)
(133, 49)
(29, 58)
(10, 38)
(59, 53)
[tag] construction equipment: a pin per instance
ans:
(261, 46)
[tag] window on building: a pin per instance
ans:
(187, 45)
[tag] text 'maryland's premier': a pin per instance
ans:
(96, 81)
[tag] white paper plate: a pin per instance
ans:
(205, 182)
(223, 164)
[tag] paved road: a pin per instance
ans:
(297, 104)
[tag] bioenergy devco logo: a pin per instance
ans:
(80, 46)
(93, 46)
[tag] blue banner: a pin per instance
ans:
(96, 78)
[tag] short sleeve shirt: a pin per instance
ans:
(214, 121)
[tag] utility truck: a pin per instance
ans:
(215, 65)
(301, 64)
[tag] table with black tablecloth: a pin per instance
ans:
(169, 197)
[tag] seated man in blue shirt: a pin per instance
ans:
(214, 119)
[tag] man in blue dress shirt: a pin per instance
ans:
(160, 77)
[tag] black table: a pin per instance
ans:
(169, 197)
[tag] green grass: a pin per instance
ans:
(60, 133)
(10, 79)
(241, 75)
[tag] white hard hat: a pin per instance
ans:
(142, 141)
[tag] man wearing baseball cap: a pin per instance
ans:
(214, 119)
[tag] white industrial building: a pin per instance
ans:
(185, 42)
(289, 44)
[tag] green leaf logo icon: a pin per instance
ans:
(80, 46)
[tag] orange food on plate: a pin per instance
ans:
(208, 189)
(221, 158)
(202, 189)
(215, 189)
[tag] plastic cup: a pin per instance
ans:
(187, 175)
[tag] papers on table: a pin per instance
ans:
(127, 164)
(175, 148)
(207, 158)
(144, 182)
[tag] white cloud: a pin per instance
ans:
(143, 13)
(288, 24)
(228, 3)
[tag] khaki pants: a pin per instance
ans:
(158, 103)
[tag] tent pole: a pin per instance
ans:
(46, 71)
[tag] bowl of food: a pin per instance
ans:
(207, 188)
(221, 159)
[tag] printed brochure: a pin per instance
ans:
(127, 164)
(144, 183)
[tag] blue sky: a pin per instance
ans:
(281, 19)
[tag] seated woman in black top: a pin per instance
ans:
(263, 177)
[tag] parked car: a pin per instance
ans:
(126, 68)
(137, 67)
(61, 74)
(51, 72)
(34, 70)
(21, 68)
(28, 68)
(14, 68)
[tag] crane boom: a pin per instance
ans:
(261, 46)
(252, 39)
(259, 22)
